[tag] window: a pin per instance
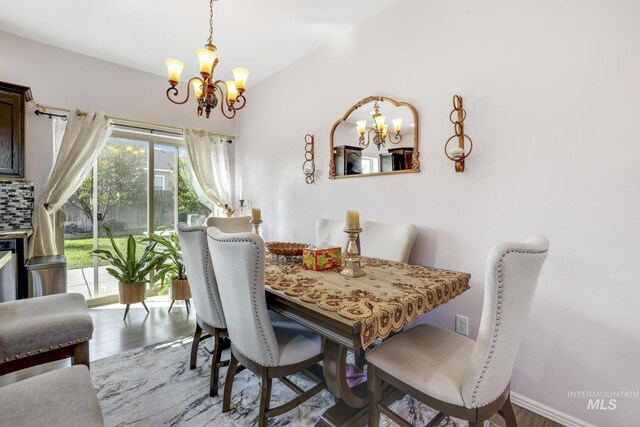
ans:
(369, 165)
(134, 188)
(158, 182)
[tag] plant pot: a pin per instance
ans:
(132, 293)
(180, 289)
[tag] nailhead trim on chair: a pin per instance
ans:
(254, 302)
(207, 263)
(43, 350)
(497, 328)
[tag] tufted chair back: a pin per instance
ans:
(392, 242)
(202, 281)
(238, 260)
(331, 231)
(239, 224)
(511, 277)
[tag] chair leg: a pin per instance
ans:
(81, 354)
(228, 385)
(373, 390)
(508, 414)
(265, 398)
(215, 362)
(194, 346)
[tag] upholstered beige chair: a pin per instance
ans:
(60, 398)
(392, 242)
(43, 329)
(452, 373)
(331, 231)
(267, 344)
(206, 299)
(238, 224)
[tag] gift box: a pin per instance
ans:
(321, 259)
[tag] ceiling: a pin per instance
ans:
(263, 36)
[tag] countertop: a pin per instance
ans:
(5, 257)
(16, 234)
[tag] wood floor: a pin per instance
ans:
(112, 336)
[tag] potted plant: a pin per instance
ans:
(130, 271)
(170, 268)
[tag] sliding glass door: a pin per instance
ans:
(133, 189)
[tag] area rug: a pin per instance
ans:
(153, 386)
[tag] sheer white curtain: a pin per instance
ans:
(209, 161)
(83, 139)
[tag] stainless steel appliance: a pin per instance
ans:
(47, 275)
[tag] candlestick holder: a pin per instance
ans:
(352, 264)
(256, 227)
(242, 207)
(228, 211)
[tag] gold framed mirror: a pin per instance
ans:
(377, 136)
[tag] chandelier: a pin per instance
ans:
(380, 130)
(209, 93)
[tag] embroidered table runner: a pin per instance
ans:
(391, 294)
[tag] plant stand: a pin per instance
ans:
(180, 290)
(132, 293)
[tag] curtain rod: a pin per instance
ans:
(42, 109)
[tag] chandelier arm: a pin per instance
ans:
(242, 104)
(362, 142)
(391, 139)
(217, 86)
(175, 92)
(240, 99)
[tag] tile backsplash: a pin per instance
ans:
(16, 204)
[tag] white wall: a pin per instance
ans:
(551, 89)
(66, 79)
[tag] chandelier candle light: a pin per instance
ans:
(209, 93)
(380, 130)
(352, 228)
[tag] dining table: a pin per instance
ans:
(353, 314)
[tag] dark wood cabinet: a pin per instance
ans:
(12, 110)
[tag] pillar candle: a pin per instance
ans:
(256, 215)
(353, 220)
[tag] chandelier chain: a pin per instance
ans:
(210, 22)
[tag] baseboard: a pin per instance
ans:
(547, 412)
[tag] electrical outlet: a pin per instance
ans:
(462, 325)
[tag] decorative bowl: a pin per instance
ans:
(286, 248)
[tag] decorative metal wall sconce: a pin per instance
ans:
(458, 154)
(309, 166)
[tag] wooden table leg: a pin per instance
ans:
(351, 408)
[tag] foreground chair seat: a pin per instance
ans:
(60, 398)
(264, 342)
(44, 329)
(427, 358)
(452, 374)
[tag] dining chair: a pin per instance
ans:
(206, 299)
(392, 242)
(269, 345)
(331, 231)
(237, 224)
(451, 373)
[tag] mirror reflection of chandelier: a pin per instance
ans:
(379, 129)
(209, 92)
